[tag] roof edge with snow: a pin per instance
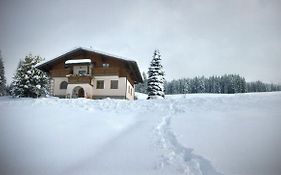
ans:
(133, 64)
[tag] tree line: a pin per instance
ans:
(226, 84)
(31, 82)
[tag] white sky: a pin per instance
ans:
(211, 37)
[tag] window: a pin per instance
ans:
(100, 84)
(114, 84)
(63, 85)
(105, 65)
(82, 72)
(128, 89)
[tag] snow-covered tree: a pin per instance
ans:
(155, 83)
(28, 80)
(2, 77)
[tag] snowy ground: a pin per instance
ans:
(183, 134)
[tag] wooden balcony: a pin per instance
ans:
(76, 79)
(60, 72)
(105, 71)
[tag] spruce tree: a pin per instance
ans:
(155, 82)
(2, 77)
(28, 80)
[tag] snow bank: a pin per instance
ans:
(140, 96)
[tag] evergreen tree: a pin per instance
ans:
(155, 83)
(187, 86)
(28, 80)
(2, 77)
(168, 87)
(202, 85)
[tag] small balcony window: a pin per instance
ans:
(114, 84)
(82, 72)
(100, 84)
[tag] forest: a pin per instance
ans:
(225, 84)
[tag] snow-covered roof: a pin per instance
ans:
(105, 53)
(78, 61)
(65, 57)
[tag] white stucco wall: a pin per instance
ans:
(130, 93)
(107, 91)
(56, 86)
(92, 91)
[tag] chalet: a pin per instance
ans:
(92, 74)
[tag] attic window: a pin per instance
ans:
(105, 65)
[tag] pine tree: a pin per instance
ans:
(187, 86)
(155, 83)
(2, 77)
(28, 80)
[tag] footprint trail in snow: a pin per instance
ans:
(176, 155)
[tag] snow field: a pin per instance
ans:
(47, 135)
(192, 134)
(239, 134)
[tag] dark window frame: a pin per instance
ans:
(63, 85)
(100, 84)
(112, 85)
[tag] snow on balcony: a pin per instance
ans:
(78, 61)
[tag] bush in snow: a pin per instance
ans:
(155, 83)
(2, 77)
(142, 87)
(28, 80)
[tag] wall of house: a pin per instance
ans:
(107, 91)
(56, 81)
(125, 88)
(130, 92)
(118, 70)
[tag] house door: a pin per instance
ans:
(77, 92)
(81, 92)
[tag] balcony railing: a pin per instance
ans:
(76, 79)
(60, 72)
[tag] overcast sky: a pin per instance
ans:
(195, 38)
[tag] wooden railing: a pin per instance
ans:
(76, 79)
(105, 71)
